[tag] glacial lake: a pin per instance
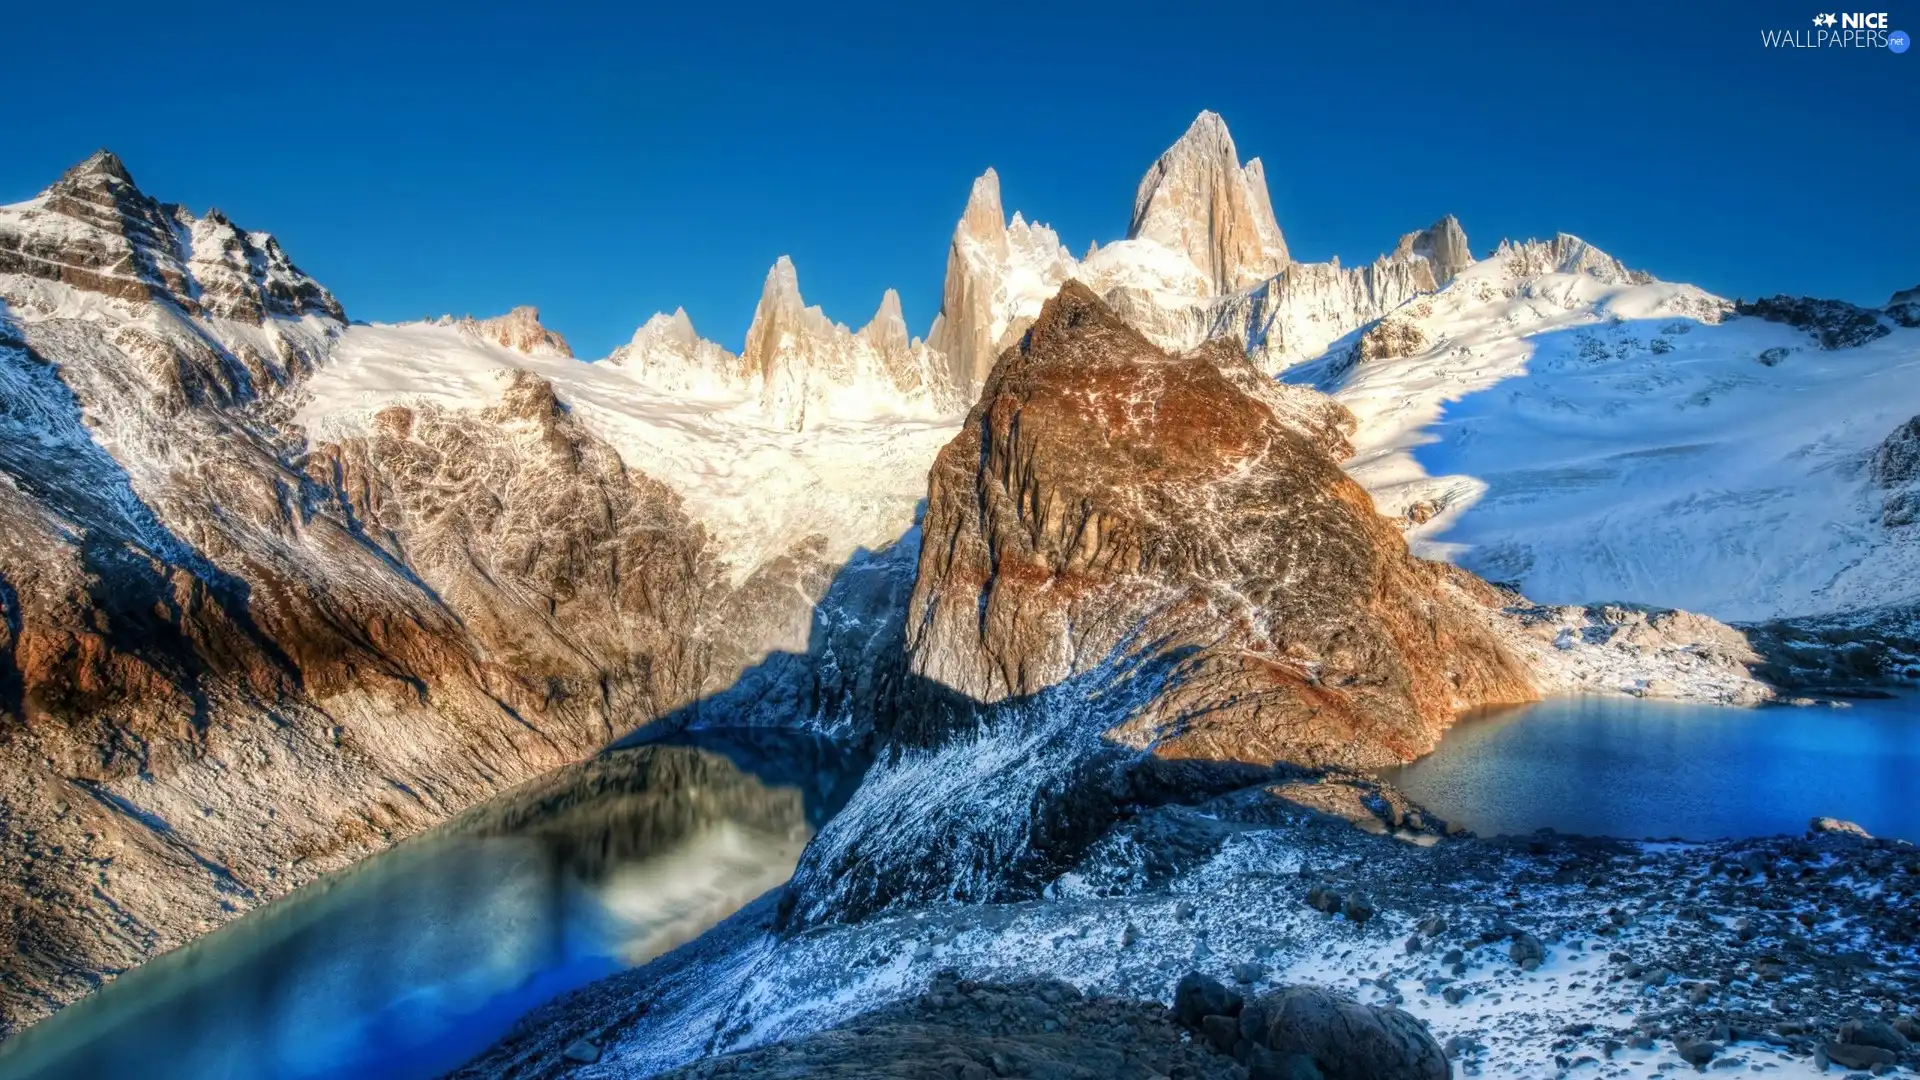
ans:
(408, 963)
(1637, 769)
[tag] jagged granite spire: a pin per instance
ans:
(1198, 200)
(1443, 244)
(978, 315)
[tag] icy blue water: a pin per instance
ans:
(1608, 766)
(407, 964)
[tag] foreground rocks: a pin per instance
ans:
(1527, 956)
(963, 1030)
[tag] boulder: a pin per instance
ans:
(1873, 1033)
(1200, 996)
(1345, 1040)
(1836, 825)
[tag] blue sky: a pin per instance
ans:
(604, 164)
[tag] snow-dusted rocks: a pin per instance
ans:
(519, 330)
(1895, 469)
(803, 363)
(666, 353)
(1199, 201)
(1589, 434)
(96, 231)
(1107, 501)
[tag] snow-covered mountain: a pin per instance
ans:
(280, 588)
(1555, 420)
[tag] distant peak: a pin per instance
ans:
(100, 163)
(1443, 244)
(1198, 200)
(520, 330)
(984, 220)
(782, 287)
(887, 330)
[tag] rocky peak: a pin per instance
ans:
(520, 330)
(95, 230)
(1201, 202)
(886, 332)
(103, 164)
(1566, 254)
(669, 354)
(1443, 245)
(981, 312)
(984, 221)
(1106, 497)
(1904, 308)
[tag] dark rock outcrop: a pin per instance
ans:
(1342, 1039)
(1835, 324)
(1107, 499)
(975, 1031)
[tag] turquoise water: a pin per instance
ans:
(1626, 767)
(404, 966)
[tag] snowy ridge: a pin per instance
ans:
(757, 488)
(1591, 434)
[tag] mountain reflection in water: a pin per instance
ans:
(416, 959)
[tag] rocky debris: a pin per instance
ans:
(1696, 1052)
(1362, 801)
(1634, 649)
(978, 1030)
(1320, 642)
(1199, 996)
(1634, 930)
(1875, 1033)
(1389, 339)
(582, 1052)
(1199, 201)
(1835, 324)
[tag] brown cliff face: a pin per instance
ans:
(1105, 497)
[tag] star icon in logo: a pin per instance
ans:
(1824, 20)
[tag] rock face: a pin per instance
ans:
(521, 331)
(1835, 324)
(1443, 245)
(96, 231)
(1199, 201)
(1895, 469)
(998, 274)
(1105, 498)
(232, 660)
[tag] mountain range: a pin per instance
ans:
(281, 588)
